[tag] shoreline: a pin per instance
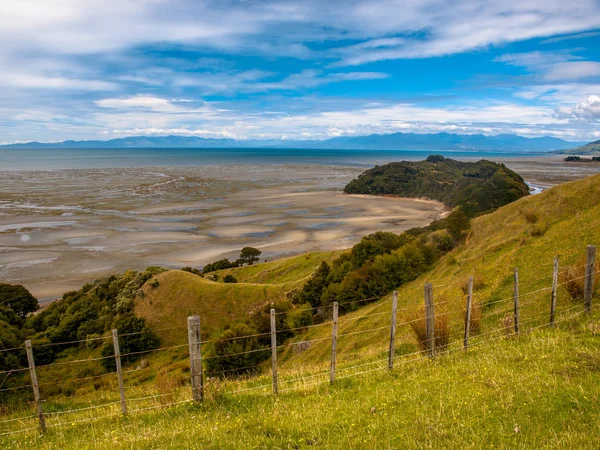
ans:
(64, 228)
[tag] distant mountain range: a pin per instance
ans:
(592, 148)
(396, 141)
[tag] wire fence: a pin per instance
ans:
(370, 342)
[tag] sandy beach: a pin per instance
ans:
(60, 229)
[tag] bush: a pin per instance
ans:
(442, 240)
(139, 338)
(229, 279)
(234, 352)
(191, 270)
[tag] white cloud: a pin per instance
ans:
(586, 110)
(553, 66)
(32, 81)
(575, 70)
(173, 131)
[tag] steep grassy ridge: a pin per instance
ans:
(526, 234)
(181, 294)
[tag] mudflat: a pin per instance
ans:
(60, 229)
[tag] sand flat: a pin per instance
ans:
(67, 227)
(62, 228)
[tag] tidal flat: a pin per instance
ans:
(62, 228)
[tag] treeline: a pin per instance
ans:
(475, 186)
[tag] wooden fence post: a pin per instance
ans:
(589, 277)
(516, 299)
(554, 287)
(468, 313)
(194, 341)
(334, 331)
(274, 353)
(35, 386)
(392, 350)
(429, 320)
(115, 337)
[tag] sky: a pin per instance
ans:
(298, 69)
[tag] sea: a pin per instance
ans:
(59, 159)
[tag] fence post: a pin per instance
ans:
(334, 331)
(589, 276)
(274, 353)
(194, 341)
(429, 319)
(516, 299)
(115, 337)
(554, 287)
(35, 386)
(468, 313)
(392, 350)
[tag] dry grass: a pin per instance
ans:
(441, 329)
(475, 322)
(573, 278)
(478, 284)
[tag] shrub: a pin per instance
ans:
(441, 329)
(18, 298)
(574, 279)
(442, 239)
(234, 352)
(229, 279)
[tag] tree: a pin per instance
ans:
(17, 298)
(249, 255)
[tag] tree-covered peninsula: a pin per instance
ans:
(474, 186)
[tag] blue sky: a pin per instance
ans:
(298, 69)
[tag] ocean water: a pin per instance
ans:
(55, 159)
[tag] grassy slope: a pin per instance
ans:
(180, 294)
(537, 391)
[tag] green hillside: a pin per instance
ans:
(593, 148)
